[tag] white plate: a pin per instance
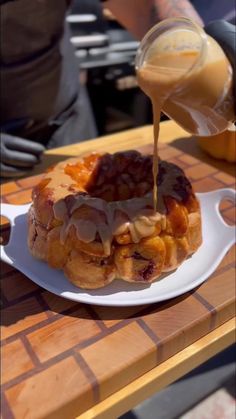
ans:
(218, 237)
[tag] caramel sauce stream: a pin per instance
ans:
(195, 92)
(164, 78)
(158, 78)
(156, 117)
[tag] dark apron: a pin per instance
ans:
(40, 97)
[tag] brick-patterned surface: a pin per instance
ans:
(59, 357)
(15, 360)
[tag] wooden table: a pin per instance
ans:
(62, 359)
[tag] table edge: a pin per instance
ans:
(164, 374)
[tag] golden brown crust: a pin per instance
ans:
(37, 237)
(86, 271)
(141, 262)
(175, 236)
(177, 250)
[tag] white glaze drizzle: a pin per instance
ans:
(134, 216)
(111, 219)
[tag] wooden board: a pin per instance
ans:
(163, 374)
(61, 358)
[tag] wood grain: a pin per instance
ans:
(15, 360)
(103, 360)
(164, 374)
(59, 385)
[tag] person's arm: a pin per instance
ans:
(138, 16)
(175, 8)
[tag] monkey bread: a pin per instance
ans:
(93, 218)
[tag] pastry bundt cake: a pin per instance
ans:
(93, 218)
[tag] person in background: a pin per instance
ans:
(215, 10)
(42, 102)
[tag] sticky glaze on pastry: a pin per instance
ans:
(93, 218)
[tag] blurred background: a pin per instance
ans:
(106, 51)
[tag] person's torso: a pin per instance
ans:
(214, 9)
(39, 73)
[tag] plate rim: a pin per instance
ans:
(104, 300)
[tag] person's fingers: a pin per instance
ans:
(11, 172)
(15, 143)
(18, 159)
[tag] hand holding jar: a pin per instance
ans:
(187, 75)
(225, 34)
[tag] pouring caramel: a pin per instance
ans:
(188, 77)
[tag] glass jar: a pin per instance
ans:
(189, 74)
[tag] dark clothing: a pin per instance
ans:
(39, 72)
(214, 9)
(74, 125)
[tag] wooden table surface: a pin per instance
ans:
(62, 359)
